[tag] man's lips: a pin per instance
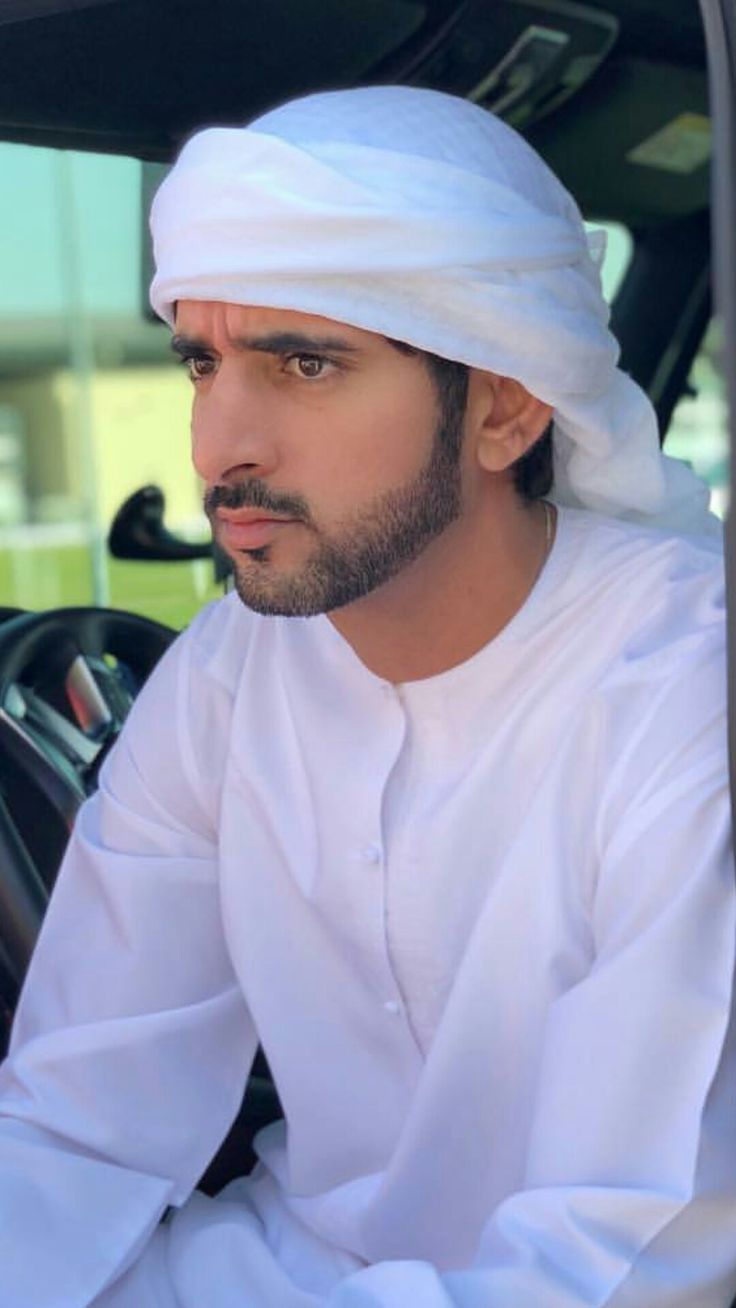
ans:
(248, 529)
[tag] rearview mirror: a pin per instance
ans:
(138, 531)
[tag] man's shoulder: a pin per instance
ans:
(640, 614)
(220, 639)
(610, 542)
(645, 590)
(179, 731)
(635, 618)
(651, 606)
(229, 650)
(191, 690)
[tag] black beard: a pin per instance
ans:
(369, 548)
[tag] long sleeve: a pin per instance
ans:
(131, 1043)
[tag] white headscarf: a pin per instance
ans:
(422, 217)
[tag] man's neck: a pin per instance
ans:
(453, 599)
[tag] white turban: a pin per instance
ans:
(422, 217)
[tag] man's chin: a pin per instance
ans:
(273, 595)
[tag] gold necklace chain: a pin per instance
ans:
(549, 525)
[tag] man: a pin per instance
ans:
(434, 807)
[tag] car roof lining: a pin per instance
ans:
(128, 77)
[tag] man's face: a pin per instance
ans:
(327, 469)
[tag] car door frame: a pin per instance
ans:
(719, 22)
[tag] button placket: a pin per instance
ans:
(372, 854)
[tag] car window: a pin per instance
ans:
(92, 405)
(698, 431)
(619, 248)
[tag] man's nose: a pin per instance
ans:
(231, 432)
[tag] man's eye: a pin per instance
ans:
(197, 366)
(308, 365)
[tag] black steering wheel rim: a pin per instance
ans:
(48, 762)
(29, 638)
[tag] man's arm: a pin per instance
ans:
(132, 1043)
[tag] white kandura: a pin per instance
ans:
(482, 924)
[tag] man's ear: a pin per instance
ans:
(506, 418)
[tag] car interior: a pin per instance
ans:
(615, 96)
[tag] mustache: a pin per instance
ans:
(255, 495)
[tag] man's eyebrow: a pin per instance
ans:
(272, 343)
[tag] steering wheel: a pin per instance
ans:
(68, 678)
